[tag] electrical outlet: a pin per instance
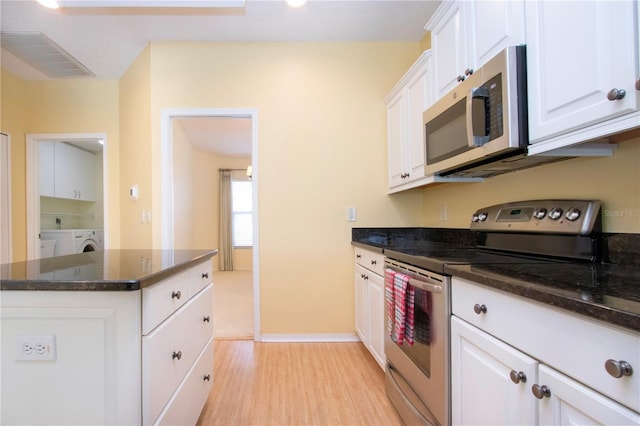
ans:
(443, 213)
(36, 348)
(351, 214)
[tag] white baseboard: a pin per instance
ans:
(309, 338)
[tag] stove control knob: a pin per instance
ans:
(555, 213)
(572, 214)
(482, 217)
(474, 218)
(540, 213)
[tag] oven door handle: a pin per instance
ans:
(432, 288)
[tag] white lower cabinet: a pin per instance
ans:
(483, 392)
(521, 362)
(106, 369)
(370, 311)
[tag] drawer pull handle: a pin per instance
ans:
(479, 309)
(518, 376)
(207, 378)
(206, 319)
(541, 391)
(205, 275)
(618, 369)
(177, 355)
(176, 295)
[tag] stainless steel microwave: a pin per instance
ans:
(479, 128)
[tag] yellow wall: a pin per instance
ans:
(615, 181)
(60, 106)
(13, 121)
(321, 148)
(136, 150)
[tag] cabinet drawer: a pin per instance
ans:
(171, 349)
(201, 276)
(187, 403)
(162, 299)
(571, 343)
(370, 260)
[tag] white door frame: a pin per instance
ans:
(167, 115)
(5, 198)
(33, 191)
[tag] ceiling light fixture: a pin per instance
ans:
(296, 3)
(50, 4)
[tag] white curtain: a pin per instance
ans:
(226, 233)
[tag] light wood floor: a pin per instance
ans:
(296, 384)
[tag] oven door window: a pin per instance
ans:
(418, 331)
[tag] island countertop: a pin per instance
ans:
(108, 270)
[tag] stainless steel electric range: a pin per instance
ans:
(546, 234)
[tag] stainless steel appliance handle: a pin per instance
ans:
(432, 288)
(423, 285)
(474, 137)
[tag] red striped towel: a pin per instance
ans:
(389, 279)
(401, 282)
(410, 320)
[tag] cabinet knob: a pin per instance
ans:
(518, 376)
(616, 94)
(460, 78)
(479, 309)
(176, 355)
(207, 377)
(358, 256)
(618, 369)
(638, 84)
(176, 294)
(366, 277)
(205, 275)
(374, 262)
(206, 319)
(541, 391)
(468, 71)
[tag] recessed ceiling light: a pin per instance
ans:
(296, 3)
(51, 4)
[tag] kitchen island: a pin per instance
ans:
(107, 337)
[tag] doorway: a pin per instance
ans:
(95, 143)
(172, 201)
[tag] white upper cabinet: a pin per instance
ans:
(46, 168)
(65, 171)
(405, 105)
(465, 35)
(75, 175)
(583, 69)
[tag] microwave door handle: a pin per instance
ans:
(477, 111)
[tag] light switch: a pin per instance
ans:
(133, 192)
(351, 214)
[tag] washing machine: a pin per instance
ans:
(70, 241)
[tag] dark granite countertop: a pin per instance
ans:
(108, 270)
(608, 291)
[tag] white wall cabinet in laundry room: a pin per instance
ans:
(583, 79)
(66, 171)
(370, 313)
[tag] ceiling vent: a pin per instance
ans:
(39, 51)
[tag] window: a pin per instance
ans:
(242, 211)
